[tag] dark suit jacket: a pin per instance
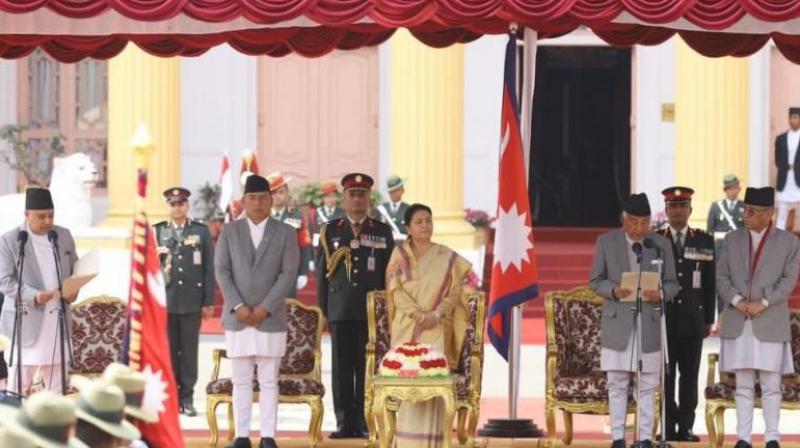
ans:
(343, 297)
(782, 162)
(693, 308)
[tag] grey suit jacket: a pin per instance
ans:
(32, 281)
(610, 262)
(774, 279)
(260, 276)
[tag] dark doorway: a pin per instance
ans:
(580, 156)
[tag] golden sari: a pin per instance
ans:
(434, 281)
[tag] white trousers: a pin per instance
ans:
(242, 377)
(619, 382)
(783, 213)
(770, 402)
(49, 378)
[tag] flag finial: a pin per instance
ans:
(142, 145)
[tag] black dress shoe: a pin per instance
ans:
(267, 442)
(742, 444)
(241, 442)
(619, 443)
(188, 409)
(360, 434)
(643, 444)
(687, 436)
(773, 444)
(340, 434)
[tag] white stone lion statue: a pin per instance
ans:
(71, 185)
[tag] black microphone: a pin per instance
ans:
(52, 235)
(22, 237)
(651, 244)
(637, 249)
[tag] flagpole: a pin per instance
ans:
(513, 426)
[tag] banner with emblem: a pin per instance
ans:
(147, 346)
(515, 276)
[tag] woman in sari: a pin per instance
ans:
(424, 284)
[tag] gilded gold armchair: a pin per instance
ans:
(469, 371)
(300, 377)
(720, 394)
(575, 384)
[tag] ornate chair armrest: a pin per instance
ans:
(550, 371)
(216, 358)
(713, 359)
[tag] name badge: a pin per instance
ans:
(197, 258)
(371, 263)
(697, 280)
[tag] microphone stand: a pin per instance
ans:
(62, 319)
(662, 308)
(637, 334)
(16, 337)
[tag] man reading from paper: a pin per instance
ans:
(39, 291)
(615, 255)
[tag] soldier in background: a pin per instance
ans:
(282, 212)
(328, 211)
(393, 212)
(187, 259)
(725, 215)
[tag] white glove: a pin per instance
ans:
(302, 281)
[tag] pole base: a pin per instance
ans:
(510, 429)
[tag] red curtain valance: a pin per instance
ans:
(707, 14)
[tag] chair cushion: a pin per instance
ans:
(591, 386)
(462, 387)
(383, 341)
(286, 386)
(301, 337)
(98, 329)
(723, 391)
(577, 331)
(465, 357)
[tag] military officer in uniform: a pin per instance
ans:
(691, 313)
(187, 259)
(726, 215)
(279, 187)
(351, 261)
(394, 211)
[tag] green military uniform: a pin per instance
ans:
(724, 217)
(187, 259)
(351, 262)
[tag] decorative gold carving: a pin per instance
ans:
(469, 408)
(391, 392)
(313, 401)
(715, 407)
(552, 403)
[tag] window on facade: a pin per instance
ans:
(66, 99)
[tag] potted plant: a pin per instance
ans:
(482, 223)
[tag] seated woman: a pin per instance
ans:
(424, 285)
